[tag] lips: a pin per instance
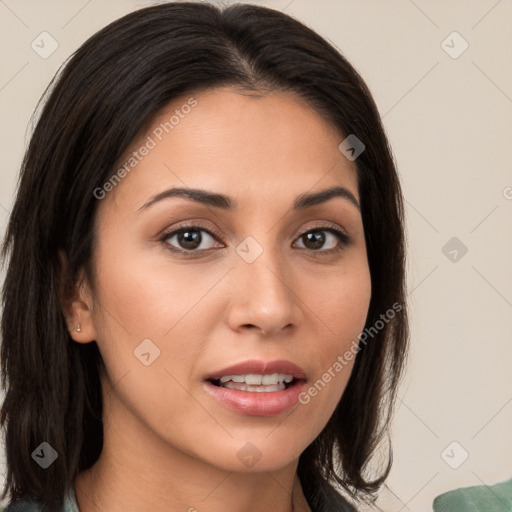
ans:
(250, 387)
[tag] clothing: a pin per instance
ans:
(479, 498)
(69, 505)
(326, 495)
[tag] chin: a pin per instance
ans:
(256, 455)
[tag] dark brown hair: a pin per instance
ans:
(94, 108)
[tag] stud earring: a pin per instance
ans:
(79, 328)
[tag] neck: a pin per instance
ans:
(106, 487)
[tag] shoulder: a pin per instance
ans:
(22, 506)
(325, 498)
(30, 506)
(337, 503)
(69, 505)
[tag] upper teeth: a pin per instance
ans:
(256, 380)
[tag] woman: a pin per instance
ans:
(204, 299)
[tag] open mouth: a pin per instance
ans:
(256, 387)
(256, 383)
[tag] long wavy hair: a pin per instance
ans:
(96, 105)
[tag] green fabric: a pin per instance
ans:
(479, 498)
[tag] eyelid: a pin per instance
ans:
(325, 226)
(190, 225)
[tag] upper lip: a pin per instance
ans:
(260, 368)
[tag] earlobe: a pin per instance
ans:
(82, 328)
(76, 303)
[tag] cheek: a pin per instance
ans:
(342, 305)
(145, 298)
(145, 293)
(149, 338)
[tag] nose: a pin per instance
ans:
(263, 297)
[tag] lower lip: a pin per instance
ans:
(257, 404)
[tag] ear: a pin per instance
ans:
(77, 304)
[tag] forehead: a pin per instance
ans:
(250, 147)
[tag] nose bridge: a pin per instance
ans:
(262, 294)
(262, 265)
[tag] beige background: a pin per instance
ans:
(450, 124)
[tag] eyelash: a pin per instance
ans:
(342, 237)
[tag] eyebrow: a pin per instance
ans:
(226, 203)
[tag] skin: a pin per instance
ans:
(168, 445)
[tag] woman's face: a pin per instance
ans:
(258, 279)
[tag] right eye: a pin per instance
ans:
(189, 238)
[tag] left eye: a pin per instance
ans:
(316, 238)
